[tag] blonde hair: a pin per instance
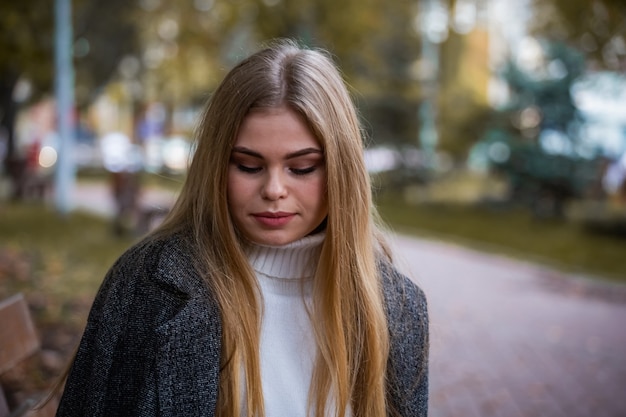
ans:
(349, 317)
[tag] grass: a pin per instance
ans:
(516, 233)
(171, 182)
(57, 262)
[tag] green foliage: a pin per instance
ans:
(542, 101)
(27, 42)
(179, 50)
(548, 87)
(595, 27)
(104, 33)
(189, 45)
(389, 119)
(25, 28)
(373, 41)
(464, 122)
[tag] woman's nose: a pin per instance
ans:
(274, 186)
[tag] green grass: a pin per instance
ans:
(58, 263)
(171, 182)
(561, 244)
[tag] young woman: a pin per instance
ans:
(268, 290)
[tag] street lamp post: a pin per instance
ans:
(433, 25)
(64, 92)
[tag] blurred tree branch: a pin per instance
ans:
(595, 27)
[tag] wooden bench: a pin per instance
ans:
(18, 342)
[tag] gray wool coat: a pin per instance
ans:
(151, 346)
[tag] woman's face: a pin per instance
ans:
(276, 178)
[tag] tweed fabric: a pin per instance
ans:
(151, 346)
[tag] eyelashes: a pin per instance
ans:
(296, 171)
(303, 171)
(247, 169)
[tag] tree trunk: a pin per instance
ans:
(14, 165)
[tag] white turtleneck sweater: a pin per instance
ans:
(288, 348)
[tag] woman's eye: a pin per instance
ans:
(248, 169)
(303, 171)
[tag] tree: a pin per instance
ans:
(187, 46)
(464, 110)
(541, 154)
(103, 33)
(546, 89)
(373, 42)
(25, 54)
(595, 27)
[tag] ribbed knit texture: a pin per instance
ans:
(287, 349)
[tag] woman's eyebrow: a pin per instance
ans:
(296, 154)
(246, 151)
(303, 152)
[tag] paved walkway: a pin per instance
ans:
(508, 338)
(514, 339)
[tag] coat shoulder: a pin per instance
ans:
(166, 262)
(401, 293)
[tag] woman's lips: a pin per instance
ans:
(273, 219)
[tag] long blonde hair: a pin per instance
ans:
(349, 317)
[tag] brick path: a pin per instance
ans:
(514, 339)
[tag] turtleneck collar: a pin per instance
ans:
(296, 260)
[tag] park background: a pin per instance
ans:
(498, 125)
